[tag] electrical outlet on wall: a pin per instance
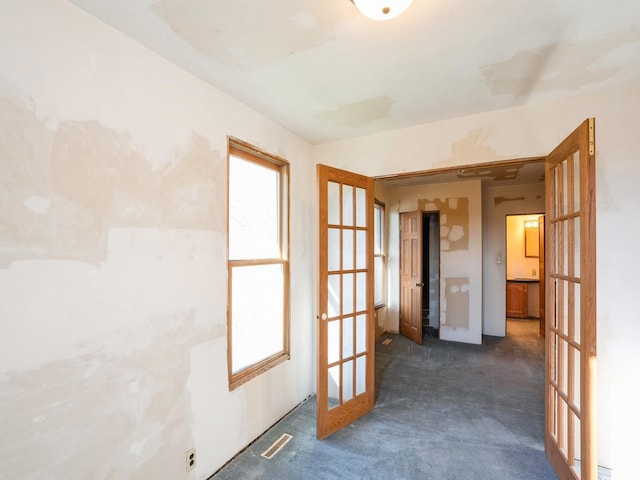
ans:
(533, 272)
(191, 459)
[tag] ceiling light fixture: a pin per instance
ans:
(381, 9)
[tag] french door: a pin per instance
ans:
(542, 299)
(571, 305)
(346, 329)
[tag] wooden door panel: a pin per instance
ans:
(517, 299)
(570, 284)
(346, 329)
(411, 275)
(541, 274)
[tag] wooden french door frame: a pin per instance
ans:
(542, 295)
(571, 305)
(346, 325)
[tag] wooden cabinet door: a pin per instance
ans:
(517, 299)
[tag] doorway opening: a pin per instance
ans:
(431, 274)
(570, 346)
(525, 264)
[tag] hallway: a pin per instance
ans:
(443, 410)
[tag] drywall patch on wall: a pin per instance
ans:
(38, 205)
(454, 221)
(134, 409)
(497, 173)
(241, 37)
(63, 190)
(561, 66)
(455, 311)
(96, 170)
(499, 200)
(471, 149)
(357, 114)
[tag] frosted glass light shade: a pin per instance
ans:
(382, 9)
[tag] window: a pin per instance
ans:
(378, 253)
(258, 263)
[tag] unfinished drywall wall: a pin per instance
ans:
(534, 130)
(113, 355)
(460, 208)
(497, 203)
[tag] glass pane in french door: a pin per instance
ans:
(348, 310)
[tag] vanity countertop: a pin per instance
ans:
(530, 280)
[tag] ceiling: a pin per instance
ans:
(325, 72)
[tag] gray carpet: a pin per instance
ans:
(443, 410)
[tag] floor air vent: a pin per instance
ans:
(270, 452)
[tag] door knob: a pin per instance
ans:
(419, 284)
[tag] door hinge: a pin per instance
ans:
(592, 137)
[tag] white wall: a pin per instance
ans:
(533, 131)
(497, 203)
(460, 267)
(113, 357)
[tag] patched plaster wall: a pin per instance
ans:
(460, 208)
(113, 355)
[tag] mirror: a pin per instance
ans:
(531, 239)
